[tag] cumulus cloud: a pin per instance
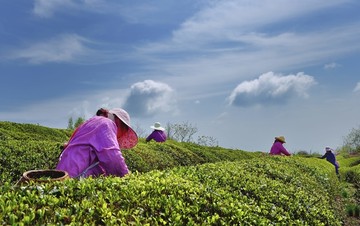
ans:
(357, 87)
(271, 88)
(148, 98)
(63, 48)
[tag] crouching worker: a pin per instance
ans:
(158, 134)
(277, 148)
(330, 157)
(95, 147)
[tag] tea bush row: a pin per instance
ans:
(26, 147)
(261, 191)
(158, 156)
(221, 193)
(24, 131)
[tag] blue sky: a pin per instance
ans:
(240, 71)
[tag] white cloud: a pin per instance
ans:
(63, 48)
(230, 40)
(72, 105)
(148, 98)
(270, 89)
(46, 8)
(331, 66)
(131, 11)
(357, 88)
(230, 19)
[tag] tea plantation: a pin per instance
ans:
(171, 183)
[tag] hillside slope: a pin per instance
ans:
(261, 191)
(171, 183)
(27, 147)
(24, 132)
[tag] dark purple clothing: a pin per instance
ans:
(157, 135)
(330, 157)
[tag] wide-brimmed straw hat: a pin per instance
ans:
(157, 126)
(280, 138)
(130, 138)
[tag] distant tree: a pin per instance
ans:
(208, 141)
(78, 122)
(182, 132)
(302, 152)
(169, 131)
(139, 130)
(70, 123)
(352, 140)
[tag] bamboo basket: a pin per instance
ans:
(43, 176)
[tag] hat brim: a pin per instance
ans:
(128, 140)
(280, 139)
(157, 128)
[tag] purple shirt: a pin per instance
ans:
(278, 148)
(94, 150)
(157, 135)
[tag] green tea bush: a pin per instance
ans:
(27, 147)
(158, 156)
(266, 191)
(18, 156)
(22, 131)
(171, 183)
(348, 161)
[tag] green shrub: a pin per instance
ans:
(266, 191)
(172, 184)
(29, 147)
(23, 131)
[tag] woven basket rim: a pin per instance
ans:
(53, 174)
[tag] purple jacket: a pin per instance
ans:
(94, 150)
(278, 148)
(157, 135)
